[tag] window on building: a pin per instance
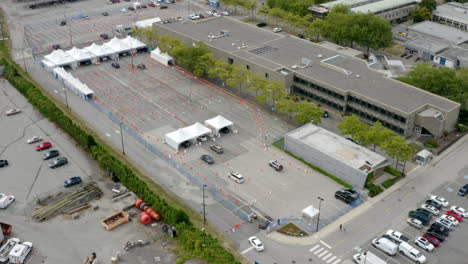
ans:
(266, 75)
(230, 60)
(247, 66)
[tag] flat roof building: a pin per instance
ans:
(334, 154)
(452, 14)
(390, 10)
(328, 76)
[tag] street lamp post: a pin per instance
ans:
(318, 217)
(121, 137)
(365, 257)
(204, 215)
(65, 92)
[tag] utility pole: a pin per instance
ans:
(69, 30)
(204, 215)
(318, 217)
(65, 92)
(24, 50)
(121, 138)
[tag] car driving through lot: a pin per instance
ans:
(256, 243)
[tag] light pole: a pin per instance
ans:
(204, 215)
(318, 217)
(365, 257)
(121, 137)
(65, 92)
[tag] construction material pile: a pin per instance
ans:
(73, 200)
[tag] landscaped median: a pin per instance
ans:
(173, 212)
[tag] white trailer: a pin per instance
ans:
(19, 253)
(367, 258)
(6, 248)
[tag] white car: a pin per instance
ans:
(424, 244)
(124, 10)
(194, 17)
(225, 13)
(445, 223)
(430, 208)
(6, 200)
(211, 12)
(414, 222)
(33, 139)
(202, 138)
(12, 111)
(276, 30)
(256, 243)
(440, 200)
(459, 210)
(450, 218)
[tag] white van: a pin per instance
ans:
(236, 176)
(367, 258)
(412, 253)
(385, 245)
(19, 253)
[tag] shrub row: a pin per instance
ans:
(374, 190)
(190, 238)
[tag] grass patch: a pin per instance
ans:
(291, 229)
(395, 49)
(431, 143)
(280, 145)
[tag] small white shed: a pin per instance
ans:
(423, 156)
(310, 214)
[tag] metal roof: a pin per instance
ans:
(381, 6)
(442, 32)
(454, 11)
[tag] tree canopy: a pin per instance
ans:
(420, 14)
(431, 5)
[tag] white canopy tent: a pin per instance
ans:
(163, 58)
(147, 22)
(217, 123)
(81, 55)
(72, 83)
(49, 66)
(60, 58)
(174, 139)
(101, 51)
(117, 45)
(133, 43)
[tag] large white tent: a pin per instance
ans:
(72, 83)
(81, 55)
(163, 58)
(101, 51)
(60, 58)
(49, 66)
(147, 22)
(218, 122)
(117, 45)
(175, 138)
(133, 43)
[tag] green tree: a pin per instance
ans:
(375, 135)
(188, 56)
(273, 91)
(371, 31)
(287, 106)
(340, 8)
(314, 30)
(420, 14)
(239, 77)
(431, 5)
(167, 43)
(221, 70)
(307, 112)
(204, 63)
(256, 83)
(351, 125)
(250, 5)
(277, 14)
(263, 10)
(397, 148)
(337, 28)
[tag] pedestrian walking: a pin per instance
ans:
(341, 227)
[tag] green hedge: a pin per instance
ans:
(374, 190)
(190, 238)
(388, 183)
(393, 171)
(279, 145)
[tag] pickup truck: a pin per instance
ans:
(397, 236)
(276, 165)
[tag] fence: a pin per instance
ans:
(218, 194)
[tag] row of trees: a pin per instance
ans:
(424, 10)
(377, 136)
(190, 238)
(199, 60)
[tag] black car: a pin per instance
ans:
(347, 195)
(141, 66)
(264, 223)
(300, 36)
(105, 14)
(261, 24)
(63, 23)
(434, 203)
(56, 46)
(58, 162)
(424, 211)
(186, 144)
(463, 190)
(440, 228)
(163, 7)
(115, 65)
(207, 159)
(325, 114)
(437, 235)
(50, 154)
(3, 163)
(224, 130)
(104, 36)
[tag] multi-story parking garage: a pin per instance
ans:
(329, 77)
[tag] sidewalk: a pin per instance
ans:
(334, 226)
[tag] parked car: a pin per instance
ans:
(455, 215)
(440, 228)
(105, 13)
(425, 219)
(463, 190)
(225, 13)
(143, 6)
(186, 144)
(385, 245)
(202, 138)
(414, 222)
(43, 146)
(206, 158)
(424, 244)
(256, 243)
(264, 223)
(433, 203)
(56, 46)
(445, 223)
(141, 66)
(439, 236)
(224, 130)
(459, 210)
(115, 65)
(325, 114)
(104, 36)
(430, 208)
(63, 23)
(261, 24)
(33, 139)
(6, 200)
(131, 8)
(194, 17)
(277, 30)
(58, 162)
(440, 200)
(72, 181)
(217, 148)
(450, 219)
(12, 111)
(398, 236)
(123, 10)
(412, 253)
(86, 17)
(347, 195)
(50, 154)
(433, 240)
(163, 7)
(3, 163)
(424, 211)
(152, 5)
(300, 36)
(236, 176)
(276, 165)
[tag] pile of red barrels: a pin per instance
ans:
(147, 213)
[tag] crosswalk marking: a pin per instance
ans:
(312, 249)
(322, 254)
(337, 261)
(321, 251)
(331, 259)
(327, 256)
(318, 251)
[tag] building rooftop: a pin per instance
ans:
(381, 6)
(275, 51)
(349, 3)
(426, 44)
(337, 147)
(442, 32)
(454, 53)
(454, 11)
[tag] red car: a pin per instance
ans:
(143, 6)
(131, 8)
(152, 5)
(455, 215)
(43, 146)
(434, 241)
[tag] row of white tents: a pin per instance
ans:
(91, 54)
(72, 83)
(191, 133)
